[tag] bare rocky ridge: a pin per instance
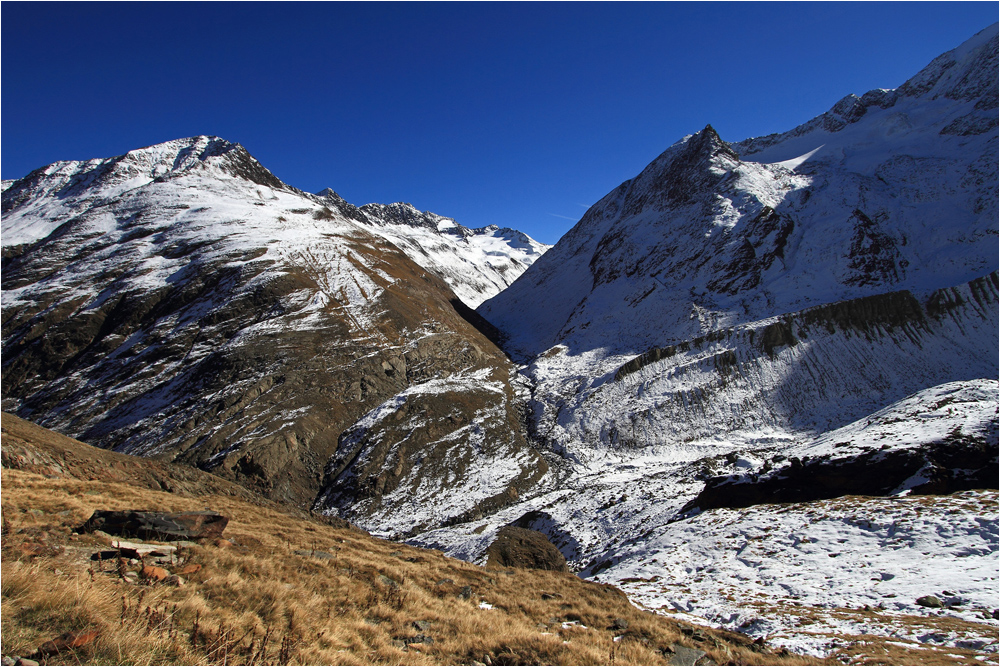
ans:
(181, 302)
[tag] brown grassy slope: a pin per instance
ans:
(32, 448)
(357, 600)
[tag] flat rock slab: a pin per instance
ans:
(157, 525)
(141, 550)
(685, 656)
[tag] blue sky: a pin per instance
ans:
(517, 114)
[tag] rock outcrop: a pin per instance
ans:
(521, 547)
(157, 525)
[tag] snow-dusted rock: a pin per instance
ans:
(476, 263)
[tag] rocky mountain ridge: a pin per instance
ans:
(182, 302)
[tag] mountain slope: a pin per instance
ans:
(712, 234)
(736, 308)
(283, 586)
(181, 302)
(879, 195)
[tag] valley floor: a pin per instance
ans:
(898, 577)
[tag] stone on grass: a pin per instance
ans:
(312, 553)
(930, 601)
(142, 550)
(190, 568)
(66, 642)
(153, 573)
(685, 656)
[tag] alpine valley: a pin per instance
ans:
(754, 387)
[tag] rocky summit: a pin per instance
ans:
(755, 385)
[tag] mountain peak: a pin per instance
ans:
(111, 176)
(178, 155)
(710, 144)
(692, 165)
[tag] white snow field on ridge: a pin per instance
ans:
(476, 263)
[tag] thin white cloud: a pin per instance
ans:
(564, 217)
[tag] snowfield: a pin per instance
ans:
(804, 575)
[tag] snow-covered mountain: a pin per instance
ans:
(808, 318)
(715, 243)
(180, 301)
(738, 306)
(476, 263)
(893, 190)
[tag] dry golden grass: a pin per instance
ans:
(258, 602)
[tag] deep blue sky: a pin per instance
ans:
(518, 114)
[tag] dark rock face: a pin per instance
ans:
(520, 547)
(157, 525)
(955, 464)
(874, 258)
